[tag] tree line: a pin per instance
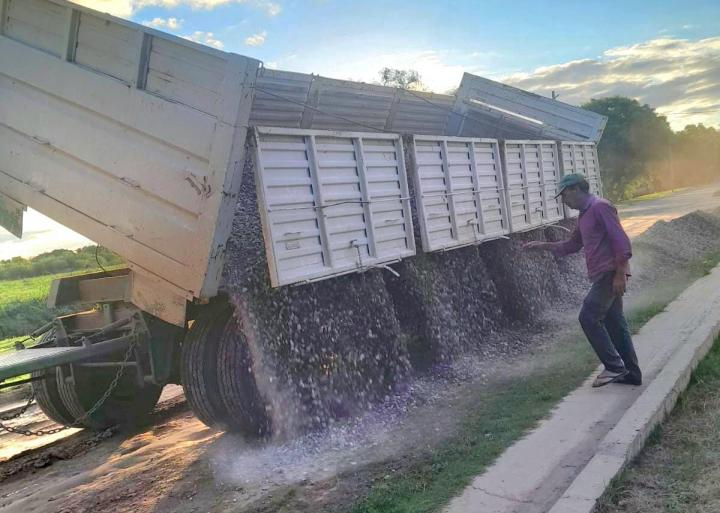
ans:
(639, 153)
(58, 261)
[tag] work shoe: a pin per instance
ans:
(606, 377)
(630, 380)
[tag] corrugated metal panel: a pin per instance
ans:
(362, 103)
(331, 202)
(459, 191)
(582, 158)
(531, 172)
(570, 122)
(146, 174)
(296, 100)
(279, 98)
(419, 112)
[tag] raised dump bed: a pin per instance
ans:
(129, 136)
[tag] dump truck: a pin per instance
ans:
(137, 139)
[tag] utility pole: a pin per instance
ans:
(555, 95)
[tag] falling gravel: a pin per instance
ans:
(333, 349)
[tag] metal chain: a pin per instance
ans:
(98, 404)
(21, 410)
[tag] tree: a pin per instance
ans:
(696, 155)
(402, 78)
(635, 150)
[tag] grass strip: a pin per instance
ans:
(678, 469)
(506, 414)
(653, 196)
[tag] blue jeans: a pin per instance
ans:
(605, 327)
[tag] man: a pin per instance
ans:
(607, 254)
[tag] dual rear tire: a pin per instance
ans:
(216, 371)
(67, 402)
(217, 374)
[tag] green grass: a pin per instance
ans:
(22, 303)
(677, 471)
(504, 414)
(8, 344)
(653, 196)
(27, 289)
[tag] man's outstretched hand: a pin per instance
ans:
(536, 245)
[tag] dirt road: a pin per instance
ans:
(638, 216)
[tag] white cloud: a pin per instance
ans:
(163, 23)
(206, 38)
(126, 8)
(271, 65)
(256, 39)
(680, 78)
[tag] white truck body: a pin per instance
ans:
(129, 136)
(136, 139)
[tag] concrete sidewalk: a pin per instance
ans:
(566, 463)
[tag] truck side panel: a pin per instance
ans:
(128, 136)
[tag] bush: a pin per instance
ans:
(58, 261)
(23, 317)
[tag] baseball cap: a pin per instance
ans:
(569, 181)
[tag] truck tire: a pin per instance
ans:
(48, 397)
(128, 405)
(238, 388)
(47, 394)
(64, 403)
(199, 365)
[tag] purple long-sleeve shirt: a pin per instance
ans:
(599, 231)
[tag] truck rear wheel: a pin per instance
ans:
(48, 397)
(129, 404)
(198, 365)
(237, 386)
(218, 383)
(47, 394)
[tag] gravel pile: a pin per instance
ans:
(668, 246)
(446, 303)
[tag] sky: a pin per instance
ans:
(664, 53)
(661, 52)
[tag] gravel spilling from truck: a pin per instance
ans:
(329, 350)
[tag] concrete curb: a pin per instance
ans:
(629, 435)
